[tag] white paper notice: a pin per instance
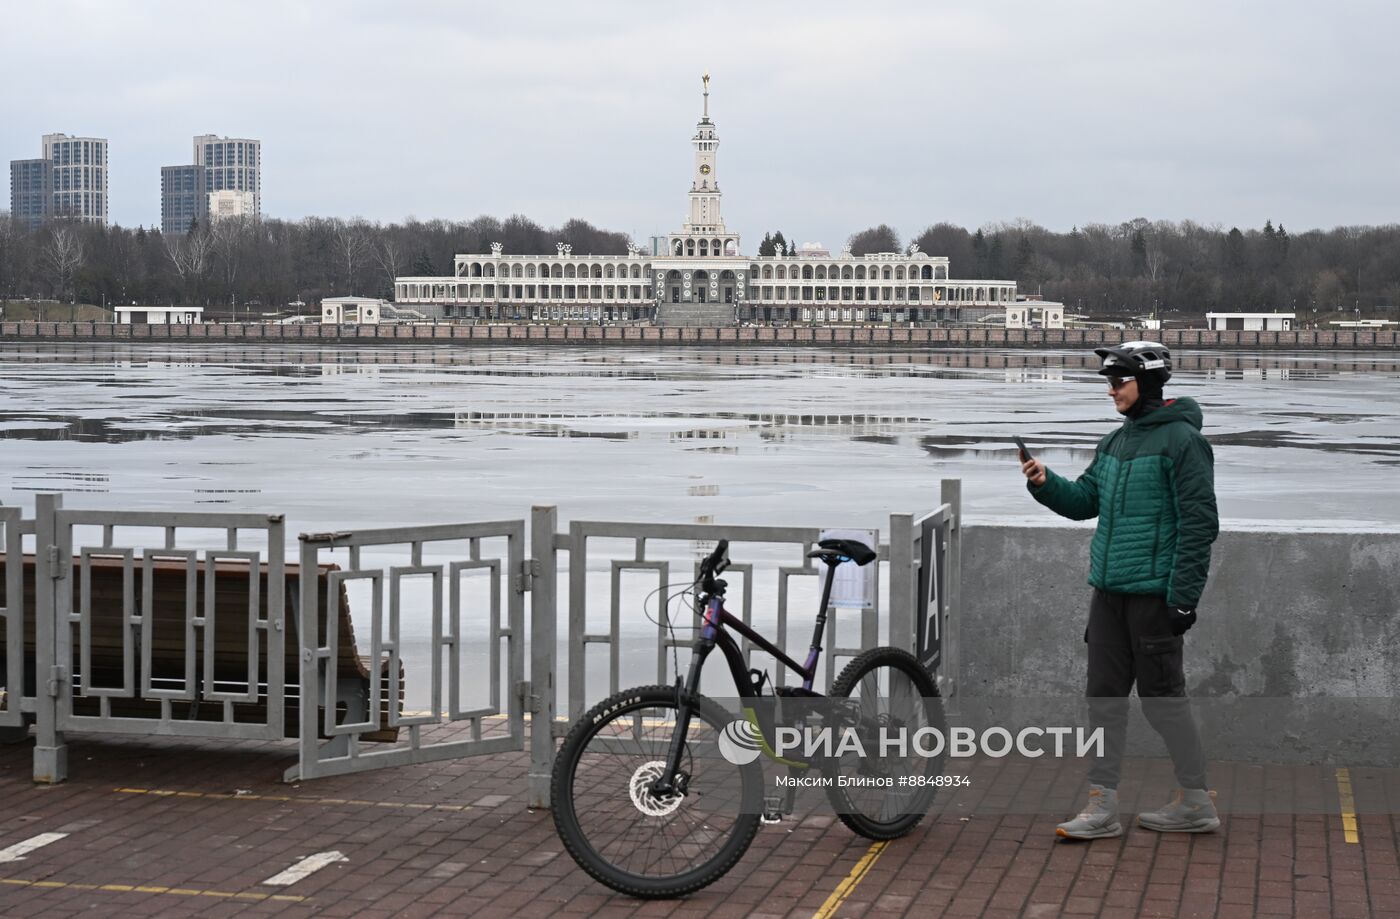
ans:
(854, 587)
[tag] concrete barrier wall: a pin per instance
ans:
(1283, 615)
(1295, 657)
(765, 336)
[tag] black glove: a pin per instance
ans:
(1181, 619)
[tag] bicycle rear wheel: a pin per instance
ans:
(884, 797)
(625, 836)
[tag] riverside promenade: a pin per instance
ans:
(154, 827)
(864, 336)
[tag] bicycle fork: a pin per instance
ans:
(672, 780)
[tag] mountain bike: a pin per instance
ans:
(658, 790)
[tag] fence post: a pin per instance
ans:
(308, 667)
(14, 662)
(902, 582)
(578, 619)
(50, 752)
(952, 623)
(544, 637)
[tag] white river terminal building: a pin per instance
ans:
(698, 276)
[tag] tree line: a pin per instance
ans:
(241, 263)
(1141, 267)
(1133, 268)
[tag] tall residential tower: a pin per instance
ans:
(231, 164)
(225, 179)
(68, 180)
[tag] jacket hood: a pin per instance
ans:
(1183, 409)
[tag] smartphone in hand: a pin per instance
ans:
(1021, 446)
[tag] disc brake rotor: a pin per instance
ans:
(644, 799)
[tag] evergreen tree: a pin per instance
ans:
(765, 248)
(995, 258)
(779, 243)
(1024, 253)
(423, 265)
(979, 253)
(1138, 247)
(1232, 250)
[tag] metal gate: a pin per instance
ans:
(378, 565)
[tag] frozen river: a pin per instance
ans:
(379, 436)
(340, 439)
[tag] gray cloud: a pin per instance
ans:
(832, 117)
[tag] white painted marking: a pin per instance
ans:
(17, 851)
(305, 868)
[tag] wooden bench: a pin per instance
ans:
(231, 646)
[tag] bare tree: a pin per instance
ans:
(389, 254)
(189, 253)
(1154, 257)
(227, 237)
(10, 239)
(876, 239)
(65, 256)
(352, 242)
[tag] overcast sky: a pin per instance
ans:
(832, 117)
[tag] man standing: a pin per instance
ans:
(1151, 486)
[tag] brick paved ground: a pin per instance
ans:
(177, 828)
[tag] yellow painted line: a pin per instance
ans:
(226, 796)
(848, 886)
(1348, 805)
(129, 888)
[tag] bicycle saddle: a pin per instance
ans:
(834, 551)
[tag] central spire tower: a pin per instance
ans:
(704, 185)
(704, 231)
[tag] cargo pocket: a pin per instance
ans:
(1160, 666)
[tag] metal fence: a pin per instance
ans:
(191, 624)
(379, 707)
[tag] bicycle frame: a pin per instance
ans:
(712, 635)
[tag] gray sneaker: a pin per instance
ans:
(1190, 810)
(1098, 820)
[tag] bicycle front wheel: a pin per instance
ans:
(885, 796)
(619, 830)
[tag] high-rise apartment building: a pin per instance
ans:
(232, 164)
(182, 197)
(31, 191)
(68, 180)
(79, 176)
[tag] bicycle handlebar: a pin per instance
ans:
(714, 564)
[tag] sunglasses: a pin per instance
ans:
(1117, 383)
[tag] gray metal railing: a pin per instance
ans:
(701, 538)
(70, 695)
(320, 655)
(134, 671)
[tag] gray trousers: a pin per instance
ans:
(1130, 643)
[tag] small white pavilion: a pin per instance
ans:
(159, 315)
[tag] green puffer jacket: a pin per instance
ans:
(1152, 486)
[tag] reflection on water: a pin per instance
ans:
(424, 433)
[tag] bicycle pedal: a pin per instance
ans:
(772, 810)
